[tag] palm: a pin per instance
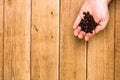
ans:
(99, 10)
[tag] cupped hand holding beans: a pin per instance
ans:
(92, 18)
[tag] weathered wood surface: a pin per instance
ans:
(37, 42)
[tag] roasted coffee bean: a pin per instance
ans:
(88, 23)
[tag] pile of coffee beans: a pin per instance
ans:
(88, 23)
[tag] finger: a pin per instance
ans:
(77, 21)
(101, 26)
(81, 34)
(93, 32)
(76, 32)
(88, 36)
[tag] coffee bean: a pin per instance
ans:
(88, 23)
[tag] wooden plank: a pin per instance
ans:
(101, 52)
(72, 50)
(17, 40)
(1, 39)
(117, 41)
(45, 40)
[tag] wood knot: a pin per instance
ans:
(51, 36)
(10, 2)
(51, 13)
(35, 27)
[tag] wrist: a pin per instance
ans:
(104, 1)
(107, 1)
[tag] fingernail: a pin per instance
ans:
(75, 33)
(80, 36)
(86, 38)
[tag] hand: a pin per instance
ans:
(99, 10)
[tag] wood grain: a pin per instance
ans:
(1, 39)
(45, 40)
(17, 40)
(46, 36)
(72, 50)
(117, 40)
(101, 52)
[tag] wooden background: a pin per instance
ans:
(37, 42)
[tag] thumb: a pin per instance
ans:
(101, 26)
